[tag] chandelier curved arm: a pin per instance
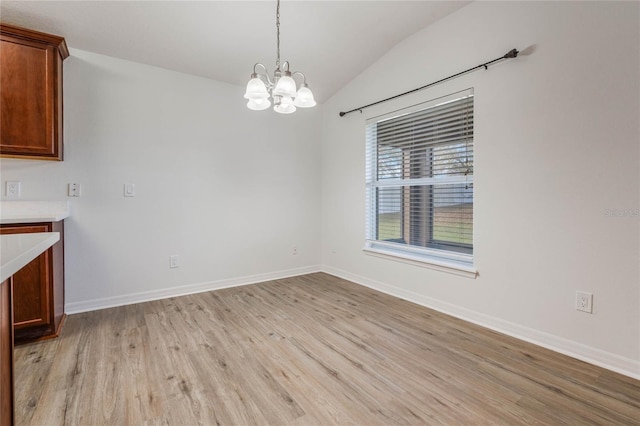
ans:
(259, 64)
(263, 76)
(304, 78)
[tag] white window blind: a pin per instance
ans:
(420, 181)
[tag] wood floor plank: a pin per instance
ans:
(32, 366)
(307, 350)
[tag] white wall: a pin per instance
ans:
(557, 144)
(228, 189)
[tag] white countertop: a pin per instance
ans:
(33, 211)
(16, 250)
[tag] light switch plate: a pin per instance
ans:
(129, 190)
(12, 189)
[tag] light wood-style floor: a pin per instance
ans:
(309, 350)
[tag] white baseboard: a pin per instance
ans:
(610, 361)
(146, 296)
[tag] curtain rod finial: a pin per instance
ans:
(513, 53)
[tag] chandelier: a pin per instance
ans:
(282, 89)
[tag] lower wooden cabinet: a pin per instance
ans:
(38, 288)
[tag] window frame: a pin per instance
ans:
(439, 258)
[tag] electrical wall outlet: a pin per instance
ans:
(294, 250)
(584, 302)
(12, 189)
(174, 261)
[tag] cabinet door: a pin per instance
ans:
(27, 121)
(31, 294)
(31, 93)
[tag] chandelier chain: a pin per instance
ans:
(278, 35)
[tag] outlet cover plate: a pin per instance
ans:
(73, 190)
(584, 301)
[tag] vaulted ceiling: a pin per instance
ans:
(330, 41)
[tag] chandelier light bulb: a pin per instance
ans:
(304, 98)
(256, 89)
(258, 104)
(286, 101)
(285, 106)
(286, 86)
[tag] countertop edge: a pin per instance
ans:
(37, 244)
(15, 212)
(33, 219)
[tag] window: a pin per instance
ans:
(420, 182)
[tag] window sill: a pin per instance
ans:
(438, 265)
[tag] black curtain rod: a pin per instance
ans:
(510, 54)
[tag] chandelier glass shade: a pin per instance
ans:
(282, 90)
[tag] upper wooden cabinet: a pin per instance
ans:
(31, 93)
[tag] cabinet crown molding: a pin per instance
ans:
(37, 36)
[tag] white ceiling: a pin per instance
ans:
(330, 41)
